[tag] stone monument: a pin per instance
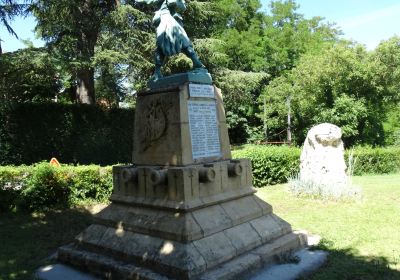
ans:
(184, 209)
(322, 158)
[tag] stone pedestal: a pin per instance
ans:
(184, 209)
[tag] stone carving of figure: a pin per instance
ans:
(171, 36)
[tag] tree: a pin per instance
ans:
(28, 75)
(387, 62)
(72, 29)
(334, 86)
(8, 10)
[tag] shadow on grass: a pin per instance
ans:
(347, 264)
(27, 240)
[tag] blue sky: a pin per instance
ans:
(365, 21)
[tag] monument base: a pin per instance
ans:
(180, 228)
(185, 209)
(242, 267)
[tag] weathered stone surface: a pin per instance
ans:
(215, 249)
(268, 228)
(182, 188)
(242, 210)
(285, 243)
(243, 237)
(219, 221)
(322, 157)
(162, 129)
(179, 259)
(238, 268)
(175, 215)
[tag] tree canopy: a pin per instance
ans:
(267, 63)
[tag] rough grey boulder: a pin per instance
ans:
(322, 157)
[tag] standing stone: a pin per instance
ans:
(322, 158)
(185, 209)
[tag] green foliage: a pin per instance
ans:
(370, 160)
(271, 164)
(28, 75)
(43, 186)
(11, 183)
(335, 86)
(276, 164)
(387, 59)
(80, 134)
(90, 183)
(240, 91)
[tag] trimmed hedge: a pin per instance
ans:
(271, 164)
(43, 186)
(79, 134)
(274, 164)
(370, 160)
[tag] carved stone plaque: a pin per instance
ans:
(204, 130)
(197, 90)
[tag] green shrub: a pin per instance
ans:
(275, 164)
(91, 183)
(370, 160)
(46, 186)
(43, 186)
(271, 164)
(12, 181)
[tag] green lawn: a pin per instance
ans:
(363, 238)
(28, 239)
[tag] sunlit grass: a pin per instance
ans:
(362, 238)
(366, 233)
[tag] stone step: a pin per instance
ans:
(183, 226)
(108, 267)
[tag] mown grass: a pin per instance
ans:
(362, 238)
(27, 240)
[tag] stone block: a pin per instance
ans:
(219, 221)
(242, 210)
(91, 235)
(215, 249)
(285, 243)
(239, 268)
(268, 228)
(243, 237)
(266, 208)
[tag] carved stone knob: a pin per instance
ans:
(235, 169)
(206, 175)
(158, 177)
(129, 175)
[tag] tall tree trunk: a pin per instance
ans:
(85, 88)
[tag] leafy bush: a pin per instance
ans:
(78, 134)
(275, 164)
(370, 160)
(43, 186)
(11, 183)
(271, 164)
